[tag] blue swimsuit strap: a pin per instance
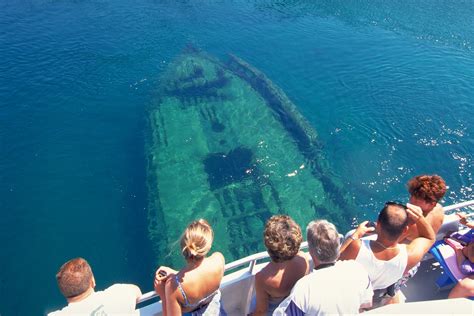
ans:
(186, 301)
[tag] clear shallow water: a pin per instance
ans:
(387, 85)
(242, 152)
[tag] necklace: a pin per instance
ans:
(385, 247)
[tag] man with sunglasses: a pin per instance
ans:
(384, 257)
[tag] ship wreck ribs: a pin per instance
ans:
(294, 122)
(287, 113)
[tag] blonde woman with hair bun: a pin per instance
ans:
(195, 288)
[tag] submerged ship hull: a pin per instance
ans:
(227, 145)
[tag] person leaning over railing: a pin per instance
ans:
(77, 283)
(282, 237)
(195, 288)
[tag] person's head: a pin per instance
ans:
(426, 190)
(75, 278)
(392, 220)
(196, 240)
(282, 237)
(323, 241)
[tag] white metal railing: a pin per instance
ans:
(458, 205)
(251, 260)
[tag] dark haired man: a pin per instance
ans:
(76, 282)
(384, 258)
(426, 191)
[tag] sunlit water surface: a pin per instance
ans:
(389, 87)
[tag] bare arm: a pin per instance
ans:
(435, 218)
(463, 220)
(262, 296)
(219, 257)
(419, 246)
(459, 257)
(171, 306)
(351, 246)
(161, 276)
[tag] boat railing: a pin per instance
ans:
(252, 260)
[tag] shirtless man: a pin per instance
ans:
(425, 192)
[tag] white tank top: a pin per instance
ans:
(382, 273)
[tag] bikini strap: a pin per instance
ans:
(186, 302)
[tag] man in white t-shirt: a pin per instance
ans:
(334, 287)
(76, 282)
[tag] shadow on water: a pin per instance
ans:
(225, 168)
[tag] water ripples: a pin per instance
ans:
(389, 91)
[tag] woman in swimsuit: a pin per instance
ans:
(465, 259)
(195, 288)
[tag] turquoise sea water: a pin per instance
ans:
(389, 87)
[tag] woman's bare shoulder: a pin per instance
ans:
(302, 258)
(217, 256)
(268, 270)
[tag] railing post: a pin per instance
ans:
(252, 265)
(248, 299)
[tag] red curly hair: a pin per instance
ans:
(430, 188)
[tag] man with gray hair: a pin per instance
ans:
(334, 287)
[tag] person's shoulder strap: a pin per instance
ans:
(180, 287)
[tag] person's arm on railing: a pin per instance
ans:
(262, 297)
(351, 246)
(161, 276)
(463, 220)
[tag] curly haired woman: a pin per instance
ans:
(426, 191)
(288, 264)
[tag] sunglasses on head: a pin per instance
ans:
(396, 203)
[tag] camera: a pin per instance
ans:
(370, 224)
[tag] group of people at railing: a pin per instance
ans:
(347, 278)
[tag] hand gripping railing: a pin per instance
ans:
(251, 260)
